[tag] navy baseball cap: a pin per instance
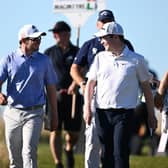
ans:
(106, 15)
(60, 27)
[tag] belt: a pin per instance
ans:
(30, 108)
(115, 109)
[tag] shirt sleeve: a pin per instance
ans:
(81, 57)
(143, 70)
(93, 71)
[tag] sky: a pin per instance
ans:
(144, 22)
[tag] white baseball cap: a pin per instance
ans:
(29, 30)
(112, 28)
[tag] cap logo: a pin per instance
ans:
(94, 51)
(34, 29)
(104, 13)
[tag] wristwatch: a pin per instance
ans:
(83, 83)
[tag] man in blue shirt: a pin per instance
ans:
(28, 73)
(84, 59)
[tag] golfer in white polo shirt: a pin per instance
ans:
(117, 73)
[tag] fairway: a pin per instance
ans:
(45, 160)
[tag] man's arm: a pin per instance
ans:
(163, 85)
(77, 74)
(89, 91)
(3, 98)
(51, 93)
(152, 122)
(159, 97)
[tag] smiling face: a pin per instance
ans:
(113, 42)
(107, 41)
(34, 43)
(30, 45)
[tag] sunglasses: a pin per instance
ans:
(107, 36)
(35, 39)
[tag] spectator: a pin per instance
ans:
(62, 55)
(140, 130)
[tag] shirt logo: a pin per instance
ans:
(94, 51)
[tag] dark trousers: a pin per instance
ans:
(114, 129)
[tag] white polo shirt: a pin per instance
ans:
(118, 78)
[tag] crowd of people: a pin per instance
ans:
(100, 82)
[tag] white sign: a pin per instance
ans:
(75, 5)
(78, 11)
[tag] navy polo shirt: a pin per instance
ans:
(87, 52)
(62, 62)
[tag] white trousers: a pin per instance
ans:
(22, 132)
(92, 144)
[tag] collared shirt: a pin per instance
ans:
(26, 78)
(62, 62)
(89, 49)
(118, 78)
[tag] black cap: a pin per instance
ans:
(106, 15)
(60, 27)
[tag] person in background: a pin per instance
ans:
(116, 73)
(62, 55)
(140, 132)
(81, 64)
(28, 73)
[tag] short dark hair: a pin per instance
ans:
(60, 27)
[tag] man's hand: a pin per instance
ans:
(72, 89)
(152, 122)
(159, 101)
(3, 99)
(87, 115)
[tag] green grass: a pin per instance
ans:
(149, 162)
(45, 160)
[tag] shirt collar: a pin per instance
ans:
(21, 54)
(123, 53)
